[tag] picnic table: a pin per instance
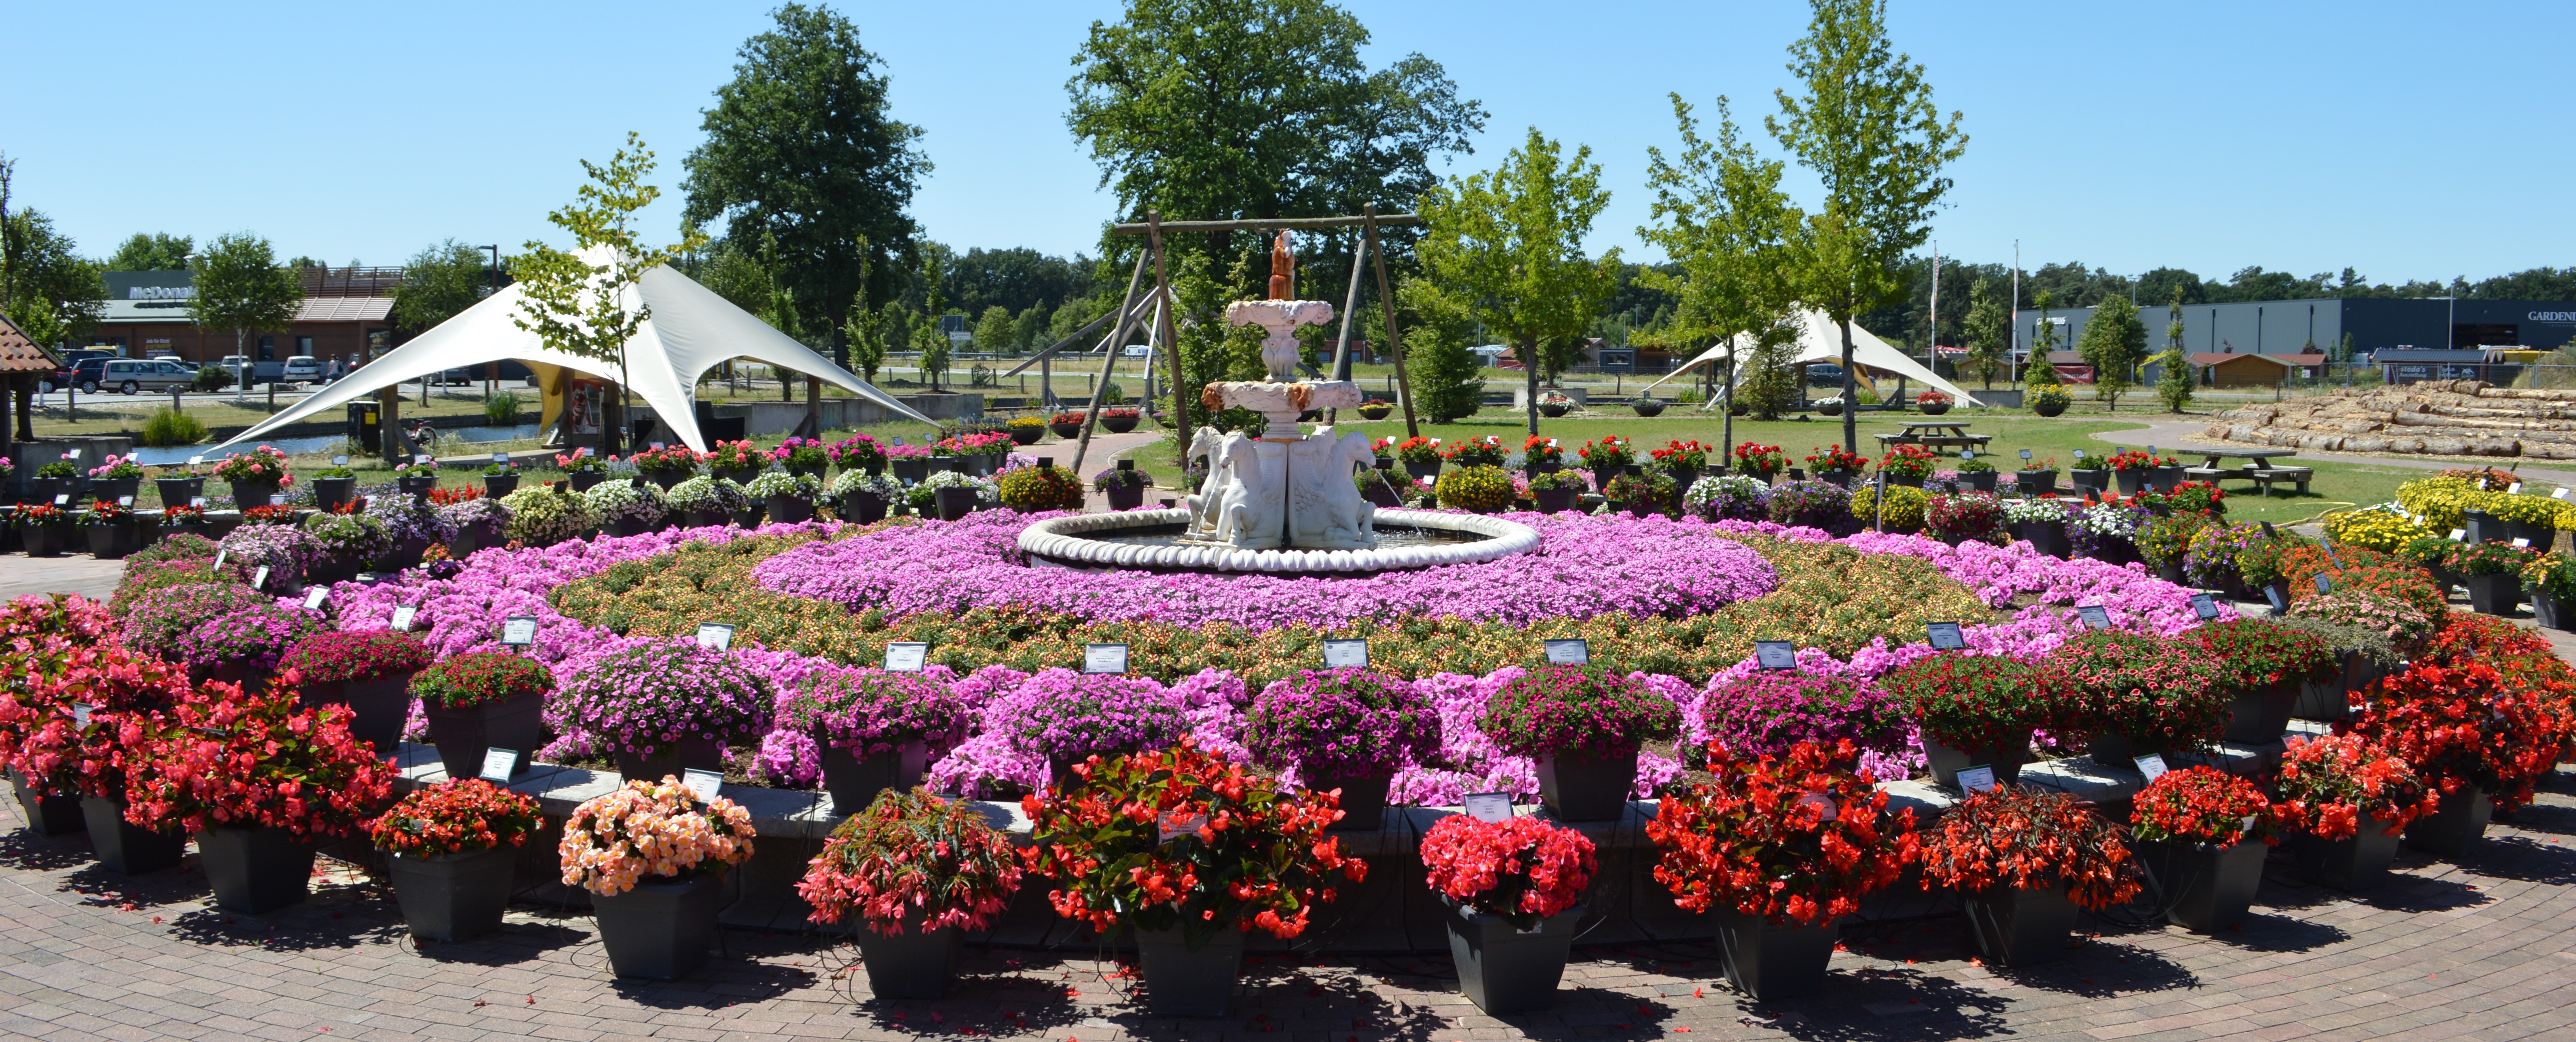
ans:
(2258, 467)
(1935, 433)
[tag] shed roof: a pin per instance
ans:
(2219, 357)
(18, 354)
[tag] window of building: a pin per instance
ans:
(268, 349)
(304, 345)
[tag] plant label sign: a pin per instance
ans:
(316, 597)
(2522, 542)
(2079, 454)
(1576, 652)
(2152, 765)
(657, 447)
(497, 764)
(1174, 824)
(1492, 808)
(219, 559)
(63, 500)
(1945, 636)
(259, 578)
(2459, 534)
(2514, 489)
(1822, 804)
(2095, 616)
(1966, 454)
(339, 461)
(906, 657)
(2560, 494)
(1104, 658)
(80, 714)
(125, 501)
(503, 457)
(1977, 779)
(2273, 594)
(519, 631)
(715, 635)
(2270, 532)
(2205, 606)
(1346, 654)
(195, 460)
(422, 458)
(2324, 585)
(198, 502)
(1775, 654)
(702, 784)
(402, 617)
(2025, 455)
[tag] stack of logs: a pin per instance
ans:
(2434, 418)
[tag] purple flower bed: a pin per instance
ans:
(254, 636)
(1340, 723)
(644, 698)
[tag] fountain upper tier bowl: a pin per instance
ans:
(1145, 540)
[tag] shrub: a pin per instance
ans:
(651, 832)
(1968, 701)
(502, 409)
(1908, 461)
(2153, 690)
(162, 618)
(2202, 805)
(1486, 451)
(456, 816)
(1581, 710)
(1792, 840)
(1652, 488)
(1612, 451)
(480, 678)
(2030, 839)
(1340, 723)
(1521, 869)
(2167, 540)
(633, 500)
(168, 427)
(913, 858)
(644, 699)
(1904, 512)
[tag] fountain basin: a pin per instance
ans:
(1142, 540)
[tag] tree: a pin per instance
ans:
(154, 251)
(578, 307)
(864, 330)
(1720, 215)
(46, 289)
(2041, 372)
(1506, 248)
(2113, 343)
(438, 283)
(802, 147)
(1772, 378)
(1448, 379)
(928, 338)
(1989, 332)
(734, 274)
(1868, 130)
(994, 332)
(1031, 325)
(241, 287)
(2174, 384)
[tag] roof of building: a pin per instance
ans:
(2218, 357)
(18, 354)
(2393, 354)
(310, 309)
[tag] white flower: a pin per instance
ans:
(782, 483)
(622, 500)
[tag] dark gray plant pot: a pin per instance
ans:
(455, 896)
(470, 538)
(2171, 571)
(1829, 408)
(421, 486)
(47, 814)
(2017, 926)
(2116, 750)
(660, 930)
(1980, 480)
(705, 754)
(1422, 471)
(2047, 537)
(1584, 788)
(50, 540)
(1363, 800)
(176, 492)
(1770, 962)
(2259, 717)
(1504, 969)
(124, 848)
(664, 479)
(948, 465)
(1119, 424)
(2482, 527)
(789, 509)
(737, 475)
(1837, 478)
(464, 735)
(2459, 823)
(708, 519)
(1180, 982)
(954, 503)
(2545, 610)
(866, 508)
(2095, 480)
(2327, 699)
(2541, 533)
(2131, 480)
(2358, 863)
(1947, 762)
(1909, 480)
(911, 470)
(329, 493)
(2496, 594)
(854, 782)
(912, 964)
(1552, 409)
(2036, 482)
(2207, 888)
(629, 525)
(585, 480)
(496, 486)
(747, 518)
(1125, 497)
(255, 870)
(381, 705)
(109, 542)
(1646, 407)
(405, 554)
(2163, 479)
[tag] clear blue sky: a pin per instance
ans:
(2408, 141)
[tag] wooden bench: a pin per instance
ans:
(2266, 477)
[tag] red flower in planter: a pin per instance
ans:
(456, 816)
(2203, 805)
(224, 758)
(2470, 726)
(2328, 785)
(2252, 654)
(2030, 838)
(1522, 869)
(337, 656)
(912, 856)
(1797, 839)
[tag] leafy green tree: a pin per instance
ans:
(864, 330)
(1028, 327)
(1772, 378)
(1506, 248)
(802, 147)
(46, 289)
(995, 332)
(2174, 384)
(1018, 278)
(1989, 332)
(1448, 379)
(932, 342)
(1868, 130)
(2114, 341)
(1720, 215)
(241, 287)
(2041, 372)
(732, 273)
(152, 251)
(438, 283)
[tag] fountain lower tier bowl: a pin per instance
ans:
(1149, 540)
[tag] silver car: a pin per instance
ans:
(136, 375)
(302, 369)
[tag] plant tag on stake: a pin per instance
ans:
(422, 458)
(715, 635)
(1775, 654)
(259, 578)
(2095, 616)
(2560, 494)
(2246, 825)
(80, 714)
(339, 461)
(2025, 455)
(2270, 532)
(1575, 652)
(198, 502)
(2459, 534)
(519, 631)
(2205, 606)
(1346, 654)
(1977, 779)
(1945, 636)
(316, 597)
(403, 615)
(1104, 658)
(125, 501)
(2522, 542)
(906, 657)
(2514, 489)
(195, 460)
(497, 763)
(1492, 808)
(219, 559)
(2152, 765)
(64, 499)
(2324, 585)
(702, 784)
(1823, 804)
(1176, 823)
(2273, 594)
(503, 457)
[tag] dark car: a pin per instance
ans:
(72, 359)
(1824, 374)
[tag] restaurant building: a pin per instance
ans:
(344, 310)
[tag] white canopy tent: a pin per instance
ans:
(1819, 340)
(691, 330)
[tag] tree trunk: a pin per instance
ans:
(1529, 364)
(1851, 390)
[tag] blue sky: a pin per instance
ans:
(2408, 141)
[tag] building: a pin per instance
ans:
(2409, 366)
(344, 311)
(2287, 327)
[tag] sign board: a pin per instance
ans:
(702, 784)
(2270, 532)
(316, 597)
(403, 615)
(63, 499)
(1775, 654)
(125, 501)
(1176, 823)
(1945, 636)
(422, 458)
(2560, 494)
(2273, 594)
(503, 457)
(1967, 454)
(2522, 542)
(219, 559)
(2459, 534)
(2025, 454)
(1104, 658)
(2205, 606)
(2514, 489)
(198, 502)
(1346, 654)
(497, 763)
(259, 578)
(1576, 652)
(195, 460)
(519, 631)
(1823, 805)
(2324, 585)
(2095, 616)
(906, 657)
(2079, 454)
(2152, 765)
(715, 635)
(1977, 779)
(339, 461)
(1493, 808)
(80, 714)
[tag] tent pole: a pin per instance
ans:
(1342, 345)
(1127, 316)
(1386, 296)
(1165, 318)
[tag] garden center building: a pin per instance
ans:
(2289, 327)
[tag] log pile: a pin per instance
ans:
(2433, 418)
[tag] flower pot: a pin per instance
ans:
(405, 554)
(1363, 800)
(1768, 961)
(1503, 968)
(330, 493)
(2358, 862)
(2206, 889)
(124, 847)
(420, 486)
(2258, 717)
(1913, 480)
(2497, 594)
(1549, 500)
(706, 519)
(748, 517)
(866, 508)
(452, 897)
(854, 781)
(1067, 431)
(381, 705)
(496, 486)
(111, 542)
(585, 480)
(1647, 407)
(790, 509)
(2047, 537)
(2541, 533)
(671, 760)
(660, 930)
(1829, 408)
(2036, 482)
(255, 870)
(1552, 409)
(1184, 982)
(463, 736)
(2329, 698)
(948, 464)
(1933, 408)
(2171, 571)
(249, 494)
(1576, 787)
(954, 503)
(1126, 498)
(2019, 926)
(664, 479)
(1118, 424)
(1375, 412)
(2048, 407)
(1026, 435)
(2546, 611)
(47, 814)
(1980, 480)
(1641, 507)
(2094, 480)
(2163, 479)
(2119, 750)
(914, 964)
(2458, 824)
(1947, 761)
(2483, 527)
(1422, 471)
(2131, 480)
(911, 470)
(176, 492)
(2114, 551)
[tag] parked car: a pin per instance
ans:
(1824, 374)
(471, 375)
(72, 359)
(260, 372)
(130, 375)
(301, 369)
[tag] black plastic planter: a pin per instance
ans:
(47, 814)
(2094, 480)
(660, 930)
(788, 509)
(463, 736)
(954, 503)
(255, 870)
(910, 965)
(1584, 788)
(1422, 471)
(2359, 862)
(854, 782)
(2132, 480)
(629, 525)
(582, 480)
(2116, 750)
(2458, 825)
(381, 705)
(705, 754)
(249, 494)
(1363, 800)
(329, 493)
(2550, 614)
(1769, 962)
(2496, 594)
(122, 847)
(1182, 982)
(176, 492)
(1947, 762)
(453, 897)
(911, 470)
(2047, 537)
(1503, 968)
(866, 508)
(2205, 889)
(2017, 926)
(2164, 479)
(2036, 482)
(2258, 717)
(498, 485)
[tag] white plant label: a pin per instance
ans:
(402, 617)
(2514, 490)
(1576, 652)
(1823, 804)
(2079, 454)
(1104, 658)
(497, 763)
(73, 454)
(715, 635)
(657, 447)
(2459, 534)
(198, 502)
(2025, 454)
(80, 714)
(702, 784)
(1977, 779)
(906, 657)
(1775, 654)
(503, 457)
(125, 501)
(259, 578)
(519, 631)
(316, 597)
(2205, 606)
(219, 559)
(63, 499)
(1346, 654)
(1174, 824)
(2095, 616)
(2152, 765)
(2560, 494)
(1492, 808)
(1945, 636)
(2246, 825)
(2522, 542)
(339, 461)
(422, 458)
(195, 460)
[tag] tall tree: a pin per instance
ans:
(802, 147)
(928, 338)
(241, 287)
(994, 331)
(439, 282)
(152, 251)
(1720, 215)
(733, 273)
(1507, 248)
(46, 289)
(2041, 372)
(1989, 332)
(2174, 383)
(2113, 343)
(1028, 327)
(1867, 128)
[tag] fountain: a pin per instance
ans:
(1283, 502)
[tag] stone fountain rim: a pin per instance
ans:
(1058, 540)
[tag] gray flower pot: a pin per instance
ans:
(746, 518)
(855, 781)
(582, 480)
(124, 848)
(47, 814)
(2497, 594)
(2017, 926)
(463, 736)
(2036, 482)
(1947, 762)
(2541, 533)
(1504, 969)
(913, 964)
(1184, 982)
(2047, 537)
(496, 486)
(954, 503)
(1584, 788)
(2116, 750)
(2094, 479)
(911, 470)
(2546, 611)
(176, 492)
(329, 493)
(705, 754)
(1363, 800)
(1769, 962)
(788, 509)
(2459, 823)
(2259, 717)
(2131, 480)
(2163, 479)
(2206, 889)
(708, 519)
(381, 705)
(2357, 863)
(1422, 471)
(1980, 480)
(866, 508)
(249, 494)
(455, 896)
(660, 930)
(255, 870)
(629, 525)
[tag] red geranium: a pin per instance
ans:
(1521, 869)
(453, 494)
(1678, 453)
(221, 757)
(272, 514)
(56, 657)
(1538, 450)
(2470, 726)
(2203, 805)
(912, 857)
(2031, 839)
(1613, 451)
(1908, 461)
(2328, 784)
(1765, 460)
(1834, 459)
(1798, 840)
(456, 816)
(339, 656)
